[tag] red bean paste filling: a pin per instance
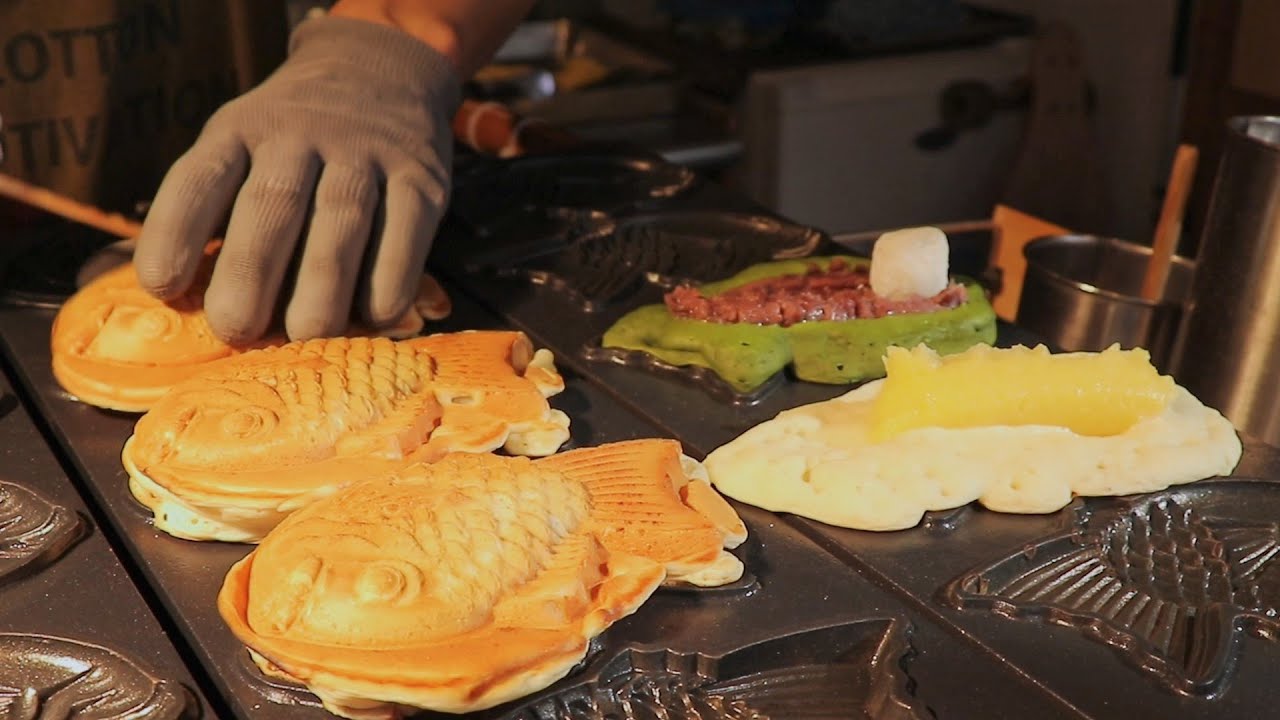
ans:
(841, 292)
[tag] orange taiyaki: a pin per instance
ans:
(116, 346)
(465, 583)
(654, 501)
(225, 455)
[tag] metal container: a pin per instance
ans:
(1230, 352)
(1082, 292)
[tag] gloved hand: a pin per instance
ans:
(349, 142)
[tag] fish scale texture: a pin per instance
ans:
(468, 581)
(230, 452)
(350, 372)
(477, 532)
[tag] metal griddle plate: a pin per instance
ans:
(73, 627)
(945, 620)
(797, 587)
(1163, 605)
(804, 622)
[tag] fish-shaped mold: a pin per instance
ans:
(451, 586)
(227, 454)
(846, 672)
(116, 346)
(748, 355)
(665, 249)
(33, 531)
(54, 678)
(1172, 590)
(520, 234)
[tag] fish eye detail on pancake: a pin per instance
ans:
(468, 582)
(225, 455)
(116, 346)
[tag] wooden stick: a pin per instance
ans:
(62, 206)
(1170, 225)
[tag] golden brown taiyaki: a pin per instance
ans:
(654, 501)
(465, 583)
(116, 346)
(225, 455)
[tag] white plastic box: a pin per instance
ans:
(835, 146)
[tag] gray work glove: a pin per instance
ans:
(349, 138)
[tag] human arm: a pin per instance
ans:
(465, 31)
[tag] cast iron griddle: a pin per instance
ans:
(75, 632)
(1157, 605)
(802, 614)
(955, 618)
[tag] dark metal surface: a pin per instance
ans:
(1231, 338)
(77, 632)
(587, 179)
(1056, 649)
(55, 678)
(33, 531)
(1174, 581)
(1060, 647)
(961, 617)
(1083, 292)
(799, 588)
(606, 263)
(856, 670)
(42, 271)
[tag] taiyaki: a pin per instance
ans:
(225, 455)
(461, 584)
(116, 346)
(654, 501)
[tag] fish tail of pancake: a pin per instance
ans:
(493, 388)
(645, 503)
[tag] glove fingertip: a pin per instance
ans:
(159, 273)
(309, 325)
(230, 321)
(386, 309)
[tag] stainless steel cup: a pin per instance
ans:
(1081, 292)
(1229, 354)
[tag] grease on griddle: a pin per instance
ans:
(33, 531)
(605, 182)
(600, 269)
(48, 677)
(848, 671)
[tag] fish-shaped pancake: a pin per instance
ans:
(471, 581)
(654, 501)
(116, 346)
(228, 453)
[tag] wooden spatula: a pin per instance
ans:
(1169, 227)
(63, 206)
(1013, 230)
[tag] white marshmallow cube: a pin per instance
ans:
(910, 262)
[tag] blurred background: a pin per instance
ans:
(862, 114)
(849, 115)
